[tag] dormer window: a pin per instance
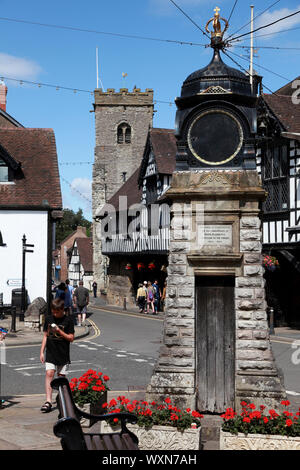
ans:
(124, 134)
(4, 174)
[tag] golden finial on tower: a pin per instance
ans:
(217, 32)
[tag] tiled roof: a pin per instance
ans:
(8, 120)
(288, 89)
(130, 189)
(39, 180)
(163, 143)
(285, 109)
(85, 250)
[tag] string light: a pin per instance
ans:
(76, 190)
(76, 163)
(59, 87)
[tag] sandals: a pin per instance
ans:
(47, 406)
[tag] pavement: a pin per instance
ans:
(24, 427)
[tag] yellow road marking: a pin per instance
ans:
(96, 329)
(128, 314)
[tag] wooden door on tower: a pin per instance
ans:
(215, 337)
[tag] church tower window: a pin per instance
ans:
(124, 134)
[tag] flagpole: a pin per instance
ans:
(251, 48)
(97, 67)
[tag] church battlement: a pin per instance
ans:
(111, 97)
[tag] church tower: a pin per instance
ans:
(122, 122)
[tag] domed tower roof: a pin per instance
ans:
(216, 74)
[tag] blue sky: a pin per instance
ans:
(66, 58)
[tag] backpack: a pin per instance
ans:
(150, 295)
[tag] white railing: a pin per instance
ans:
(153, 243)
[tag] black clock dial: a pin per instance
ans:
(215, 137)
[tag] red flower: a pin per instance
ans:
(168, 400)
(266, 420)
(273, 414)
(174, 417)
(83, 386)
(106, 378)
(252, 406)
(255, 414)
(247, 420)
(195, 414)
(289, 422)
(285, 402)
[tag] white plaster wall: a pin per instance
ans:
(13, 225)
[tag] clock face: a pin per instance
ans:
(215, 137)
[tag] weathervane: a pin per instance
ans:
(217, 33)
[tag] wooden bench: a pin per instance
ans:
(69, 430)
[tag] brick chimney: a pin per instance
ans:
(3, 93)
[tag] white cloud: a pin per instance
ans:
(82, 188)
(270, 17)
(18, 67)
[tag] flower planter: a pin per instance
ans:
(241, 441)
(92, 408)
(161, 437)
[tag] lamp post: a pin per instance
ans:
(24, 251)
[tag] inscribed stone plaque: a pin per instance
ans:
(217, 235)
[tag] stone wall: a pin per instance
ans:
(257, 376)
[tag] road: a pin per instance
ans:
(122, 346)
(125, 348)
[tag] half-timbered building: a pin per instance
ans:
(278, 163)
(81, 262)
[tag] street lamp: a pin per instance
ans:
(24, 246)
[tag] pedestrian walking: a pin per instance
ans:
(81, 301)
(141, 297)
(150, 297)
(68, 297)
(163, 297)
(157, 295)
(58, 334)
(145, 287)
(61, 291)
(94, 286)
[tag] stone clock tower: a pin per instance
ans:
(216, 348)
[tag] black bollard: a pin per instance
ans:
(272, 331)
(13, 319)
(124, 307)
